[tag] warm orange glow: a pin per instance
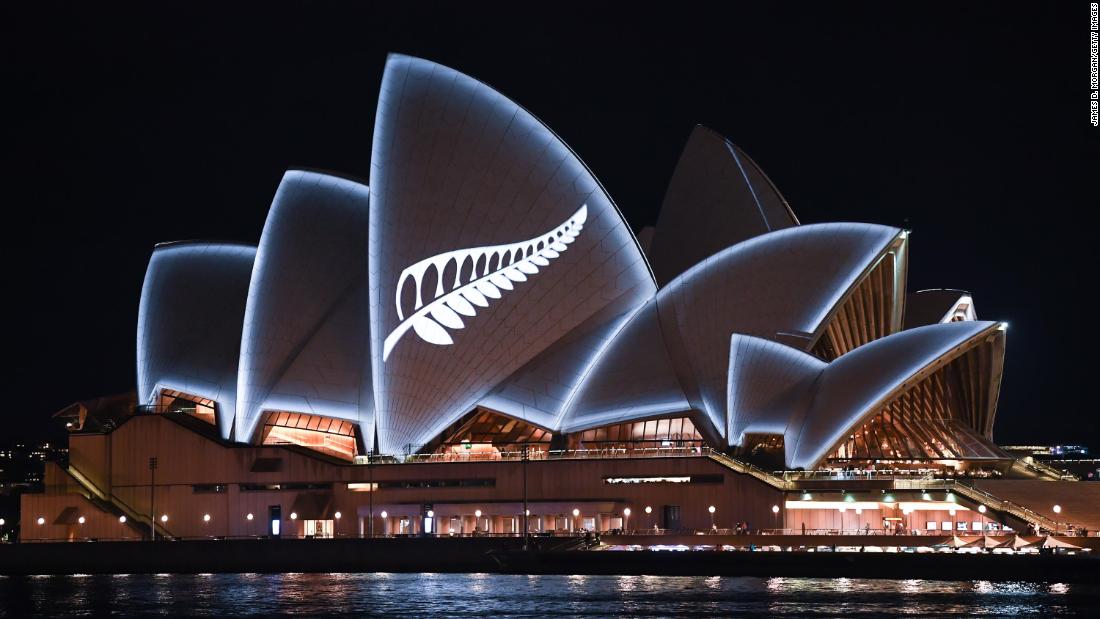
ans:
(334, 437)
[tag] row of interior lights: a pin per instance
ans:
(164, 518)
(477, 514)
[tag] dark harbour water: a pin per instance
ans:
(492, 595)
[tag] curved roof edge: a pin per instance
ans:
(314, 234)
(858, 384)
(193, 348)
(767, 380)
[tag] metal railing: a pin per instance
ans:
(553, 454)
(131, 514)
(1044, 469)
(744, 467)
(980, 496)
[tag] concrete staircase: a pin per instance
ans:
(114, 505)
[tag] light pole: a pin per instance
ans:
(384, 516)
(152, 498)
(648, 515)
(1057, 510)
(576, 514)
(477, 521)
(526, 512)
(626, 520)
(370, 497)
(981, 510)
(713, 527)
(775, 512)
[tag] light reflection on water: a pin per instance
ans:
(478, 595)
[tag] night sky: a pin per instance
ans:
(966, 124)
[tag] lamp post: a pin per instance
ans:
(526, 512)
(775, 512)
(626, 520)
(370, 497)
(336, 527)
(576, 514)
(981, 510)
(477, 520)
(712, 525)
(384, 516)
(1057, 510)
(152, 498)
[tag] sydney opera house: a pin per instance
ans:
(472, 339)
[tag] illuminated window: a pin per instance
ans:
(170, 401)
(334, 437)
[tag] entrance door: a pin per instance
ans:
(672, 517)
(274, 520)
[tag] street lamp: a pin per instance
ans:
(981, 510)
(775, 512)
(80, 520)
(206, 518)
(122, 519)
(384, 515)
(164, 518)
(41, 521)
(249, 516)
(711, 510)
(626, 520)
(337, 528)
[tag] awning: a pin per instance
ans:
(1053, 542)
(313, 506)
(987, 541)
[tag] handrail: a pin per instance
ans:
(981, 496)
(112, 500)
(1043, 468)
(744, 467)
(553, 454)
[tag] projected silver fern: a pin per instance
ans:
(492, 271)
